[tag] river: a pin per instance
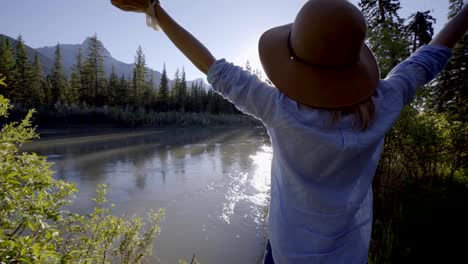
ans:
(213, 183)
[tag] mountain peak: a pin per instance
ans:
(86, 42)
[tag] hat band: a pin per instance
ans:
(295, 57)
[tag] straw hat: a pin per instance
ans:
(321, 59)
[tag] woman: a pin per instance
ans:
(327, 115)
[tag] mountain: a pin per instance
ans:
(47, 63)
(70, 51)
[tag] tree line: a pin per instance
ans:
(90, 86)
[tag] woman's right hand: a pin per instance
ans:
(139, 6)
(454, 30)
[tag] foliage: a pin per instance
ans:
(92, 73)
(2, 80)
(449, 92)
(37, 96)
(421, 181)
(70, 115)
(385, 32)
(426, 145)
(58, 81)
(113, 87)
(76, 80)
(104, 238)
(35, 228)
(23, 72)
(88, 85)
(163, 92)
(7, 67)
(421, 29)
(421, 184)
(140, 87)
(193, 261)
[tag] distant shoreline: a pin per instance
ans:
(58, 132)
(114, 118)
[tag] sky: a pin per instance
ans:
(230, 29)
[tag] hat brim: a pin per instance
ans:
(317, 87)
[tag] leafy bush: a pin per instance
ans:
(35, 228)
(421, 190)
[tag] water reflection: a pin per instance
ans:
(213, 183)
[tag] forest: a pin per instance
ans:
(90, 95)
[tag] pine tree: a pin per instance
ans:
(139, 78)
(182, 93)
(93, 72)
(163, 91)
(7, 67)
(58, 81)
(23, 74)
(75, 86)
(79, 82)
(104, 95)
(73, 96)
(150, 83)
(150, 91)
(450, 92)
(76, 81)
(37, 83)
(122, 95)
(191, 96)
(421, 29)
(47, 89)
(197, 94)
(212, 105)
(385, 32)
(113, 87)
(202, 95)
(174, 103)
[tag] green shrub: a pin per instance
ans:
(35, 228)
(421, 190)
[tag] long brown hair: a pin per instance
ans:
(363, 114)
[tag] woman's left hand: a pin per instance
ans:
(139, 6)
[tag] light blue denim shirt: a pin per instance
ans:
(321, 175)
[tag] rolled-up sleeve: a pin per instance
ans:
(246, 91)
(419, 69)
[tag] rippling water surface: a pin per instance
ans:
(213, 183)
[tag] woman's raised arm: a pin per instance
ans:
(193, 49)
(198, 54)
(454, 30)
